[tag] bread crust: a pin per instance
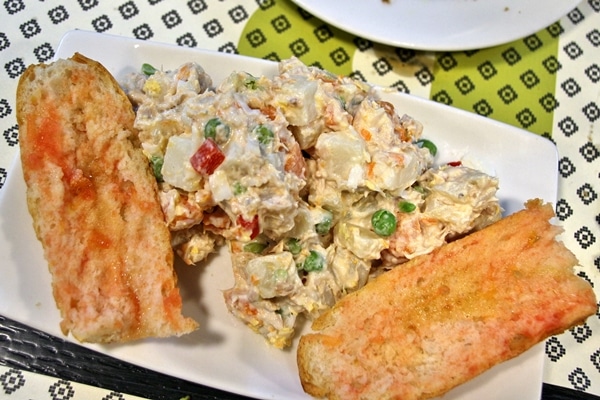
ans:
(94, 205)
(442, 319)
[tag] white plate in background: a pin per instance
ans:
(440, 24)
(223, 353)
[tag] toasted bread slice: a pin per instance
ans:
(429, 325)
(94, 205)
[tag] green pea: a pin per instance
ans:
(280, 274)
(148, 69)
(420, 189)
(215, 126)
(406, 206)
(429, 145)
(264, 134)
(313, 262)
(157, 163)
(238, 188)
(251, 83)
(255, 247)
(324, 226)
(383, 222)
(293, 246)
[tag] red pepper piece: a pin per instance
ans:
(455, 163)
(252, 225)
(207, 158)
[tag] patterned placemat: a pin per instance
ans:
(19, 384)
(547, 83)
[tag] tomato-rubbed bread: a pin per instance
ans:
(441, 319)
(95, 206)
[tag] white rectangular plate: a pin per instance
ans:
(223, 353)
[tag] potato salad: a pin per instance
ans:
(313, 182)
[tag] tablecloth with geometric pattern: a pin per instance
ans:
(547, 83)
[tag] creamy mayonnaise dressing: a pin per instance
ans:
(291, 171)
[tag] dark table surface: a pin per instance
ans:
(32, 350)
